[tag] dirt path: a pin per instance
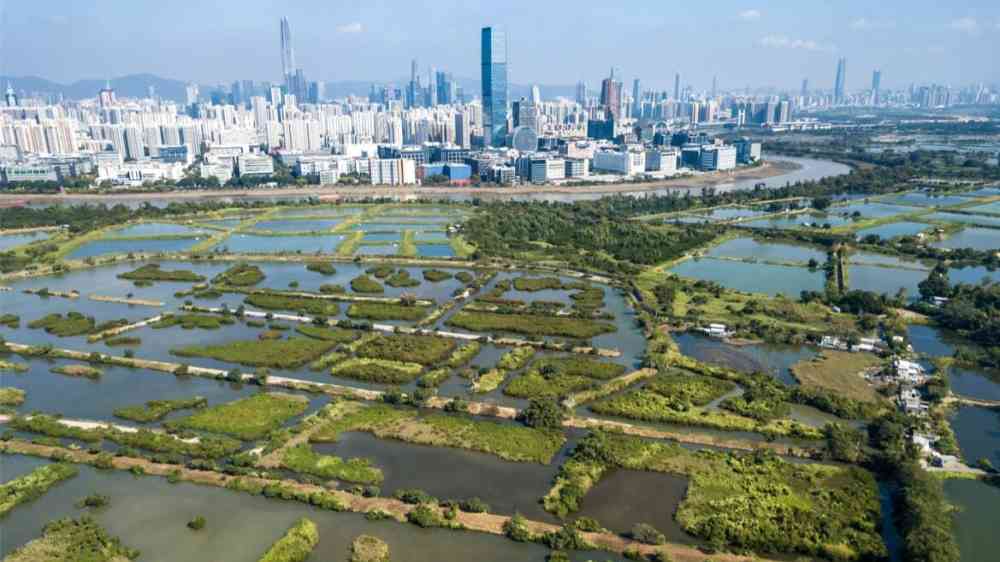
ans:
(480, 522)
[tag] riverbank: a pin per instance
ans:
(770, 169)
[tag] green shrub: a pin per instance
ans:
(425, 350)
(323, 268)
(366, 285)
(436, 275)
(279, 354)
(305, 305)
(152, 272)
(296, 545)
(247, 418)
(531, 325)
(648, 534)
(240, 275)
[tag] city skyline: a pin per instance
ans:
(927, 51)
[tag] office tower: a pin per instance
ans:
(805, 87)
(191, 91)
(107, 96)
(237, 93)
(715, 85)
(611, 96)
(287, 52)
(413, 89)
(677, 86)
(636, 98)
(10, 96)
(581, 93)
(445, 88)
(876, 85)
(494, 85)
(838, 87)
(536, 95)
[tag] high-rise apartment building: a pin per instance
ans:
(494, 86)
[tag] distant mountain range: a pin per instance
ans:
(137, 85)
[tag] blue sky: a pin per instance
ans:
(748, 42)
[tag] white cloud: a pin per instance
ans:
(867, 24)
(782, 42)
(353, 27)
(965, 25)
(750, 15)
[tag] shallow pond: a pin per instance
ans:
(752, 277)
(430, 236)
(773, 359)
(975, 238)
(449, 473)
(151, 515)
(435, 251)
(223, 223)
(927, 199)
(871, 258)
(296, 225)
(82, 398)
(379, 250)
(811, 220)
(8, 241)
(873, 210)
(989, 208)
(975, 384)
(973, 275)
(978, 433)
(395, 226)
(104, 247)
(892, 230)
(626, 497)
(981, 220)
(151, 229)
(767, 251)
(238, 243)
(885, 280)
(975, 520)
(382, 237)
(319, 211)
(729, 213)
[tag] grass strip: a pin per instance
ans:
(531, 325)
(409, 348)
(302, 458)
(152, 272)
(192, 321)
(296, 545)
(381, 371)
(247, 418)
(73, 540)
(279, 354)
(302, 305)
(387, 311)
(10, 396)
(509, 441)
(156, 410)
(32, 485)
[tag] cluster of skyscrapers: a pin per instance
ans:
(423, 129)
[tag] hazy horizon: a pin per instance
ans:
(746, 43)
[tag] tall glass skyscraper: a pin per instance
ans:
(495, 96)
(287, 53)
